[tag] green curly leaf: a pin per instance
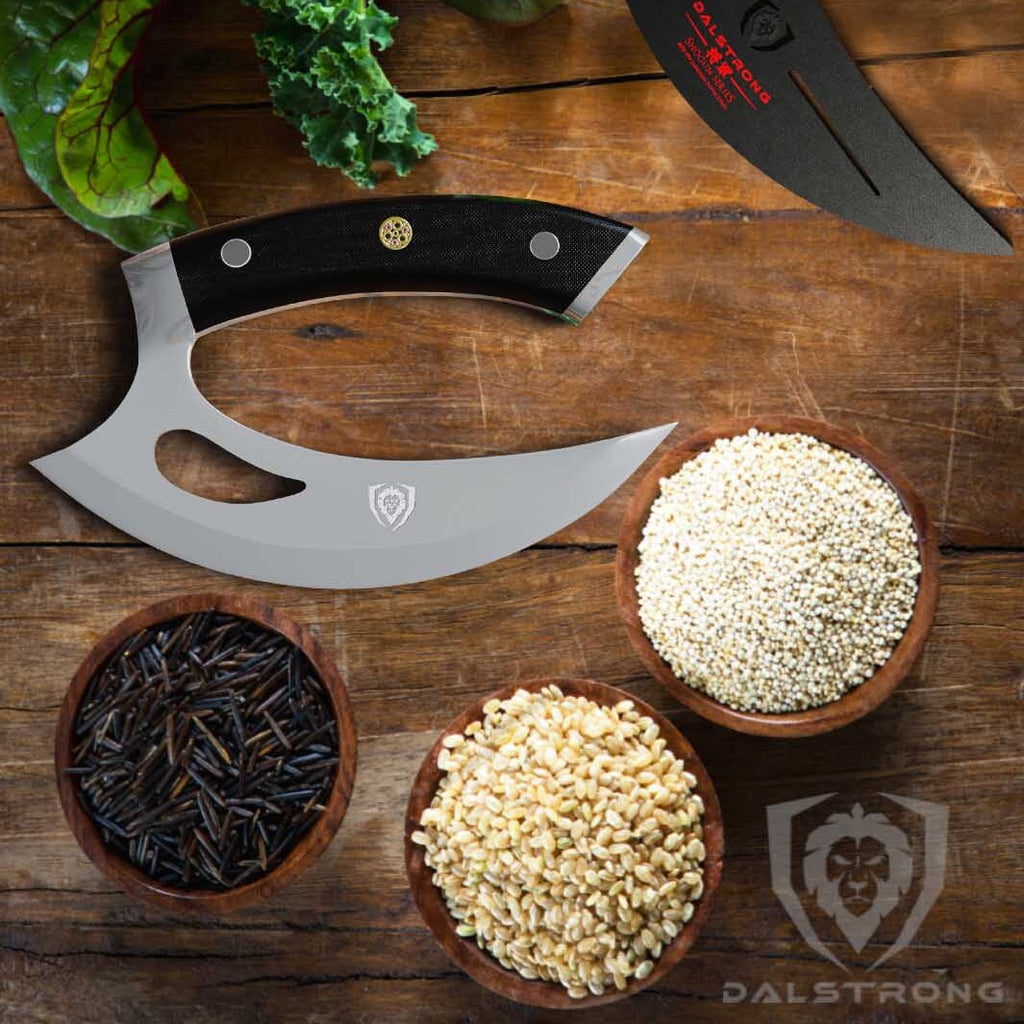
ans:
(45, 48)
(325, 80)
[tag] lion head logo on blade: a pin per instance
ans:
(858, 866)
(392, 504)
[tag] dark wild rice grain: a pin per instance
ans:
(194, 751)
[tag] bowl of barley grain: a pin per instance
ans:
(777, 575)
(563, 843)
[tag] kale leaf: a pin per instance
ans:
(325, 80)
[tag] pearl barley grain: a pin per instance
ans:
(776, 572)
(566, 839)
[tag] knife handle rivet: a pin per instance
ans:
(235, 253)
(544, 245)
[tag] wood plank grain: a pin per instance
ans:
(206, 991)
(621, 146)
(537, 613)
(346, 934)
(918, 351)
(201, 53)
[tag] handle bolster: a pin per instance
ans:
(608, 273)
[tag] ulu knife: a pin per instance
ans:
(356, 522)
(774, 80)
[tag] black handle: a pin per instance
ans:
(550, 257)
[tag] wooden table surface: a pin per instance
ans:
(746, 300)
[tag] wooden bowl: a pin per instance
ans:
(858, 701)
(200, 901)
(478, 963)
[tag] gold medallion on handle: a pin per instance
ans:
(395, 233)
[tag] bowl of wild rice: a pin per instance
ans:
(563, 843)
(205, 753)
(777, 575)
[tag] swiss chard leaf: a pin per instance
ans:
(325, 80)
(106, 151)
(45, 48)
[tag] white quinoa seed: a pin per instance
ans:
(567, 839)
(776, 572)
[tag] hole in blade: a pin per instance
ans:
(819, 109)
(197, 465)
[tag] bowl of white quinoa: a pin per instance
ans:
(563, 843)
(777, 575)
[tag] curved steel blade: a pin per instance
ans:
(774, 80)
(357, 522)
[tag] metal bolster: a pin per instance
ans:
(609, 272)
(161, 314)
